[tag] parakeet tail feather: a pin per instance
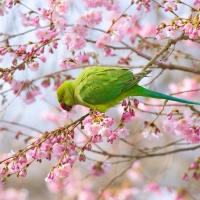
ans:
(140, 91)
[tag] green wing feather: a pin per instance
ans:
(102, 84)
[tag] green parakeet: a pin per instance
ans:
(100, 88)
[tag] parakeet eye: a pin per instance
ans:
(62, 96)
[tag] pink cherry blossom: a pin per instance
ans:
(3, 8)
(92, 129)
(118, 35)
(43, 34)
(194, 34)
(160, 36)
(60, 24)
(112, 137)
(63, 64)
(74, 43)
(123, 132)
(151, 135)
(108, 52)
(127, 117)
(62, 171)
(186, 85)
(108, 121)
(105, 132)
(29, 21)
(135, 172)
(70, 114)
(153, 187)
(29, 98)
(129, 23)
(86, 194)
(44, 14)
(22, 173)
(144, 4)
(171, 34)
(43, 59)
(127, 193)
(77, 43)
(90, 18)
(14, 194)
(185, 177)
(188, 28)
(34, 66)
(103, 40)
(196, 3)
(87, 120)
(62, 7)
(50, 177)
(77, 30)
(171, 5)
(187, 128)
(82, 59)
(16, 85)
(100, 3)
(57, 149)
(22, 159)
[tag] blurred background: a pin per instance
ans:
(150, 178)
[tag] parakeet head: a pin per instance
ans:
(65, 96)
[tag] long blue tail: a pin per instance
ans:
(140, 91)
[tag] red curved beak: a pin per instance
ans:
(65, 107)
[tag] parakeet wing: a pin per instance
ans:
(102, 84)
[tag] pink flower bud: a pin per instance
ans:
(23, 173)
(185, 177)
(4, 179)
(136, 103)
(82, 157)
(43, 59)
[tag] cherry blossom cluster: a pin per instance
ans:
(60, 144)
(187, 88)
(98, 126)
(73, 63)
(170, 6)
(72, 188)
(108, 4)
(32, 53)
(129, 190)
(151, 131)
(55, 15)
(119, 32)
(57, 80)
(56, 144)
(194, 169)
(189, 26)
(12, 193)
(28, 91)
(143, 4)
(186, 126)
(129, 112)
(74, 37)
(196, 3)
(27, 20)
(27, 56)
(5, 4)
